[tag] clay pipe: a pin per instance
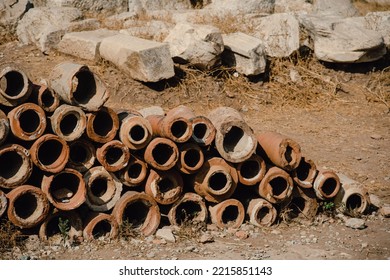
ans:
(216, 180)
(279, 149)
(327, 184)
(251, 171)
(15, 166)
(134, 173)
(191, 158)
(135, 132)
(4, 127)
(102, 125)
(27, 206)
(3, 203)
(229, 213)
(261, 212)
(113, 155)
(15, 86)
(82, 155)
(100, 225)
(234, 138)
(138, 210)
(305, 173)
(276, 186)
(161, 154)
(50, 153)
(65, 190)
(77, 85)
(45, 97)
(303, 204)
(68, 122)
(190, 208)
(27, 121)
(165, 187)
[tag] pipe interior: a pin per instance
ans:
(303, 170)
(289, 154)
(236, 140)
(79, 153)
(99, 187)
(52, 227)
(230, 214)
(114, 155)
(187, 211)
(103, 123)
(64, 186)
(11, 163)
(26, 205)
(29, 121)
(279, 185)
(192, 157)
(102, 228)
(354, 201)
(136, 213)
(179, 128)
(69, 123)
(137, 133)
(165, 184)
(50, 151)
(134, 171)
(12, 83)
(86, 87)
(47, 98)
(162, 153)
(250, 169)
(200, 130)
(329, 186)
(264, 215)
(218, 181)
(297, 206)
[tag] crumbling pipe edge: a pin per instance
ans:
(201, 216)
(3, 203)
(94, 219)
(254, 207)
(101, 155)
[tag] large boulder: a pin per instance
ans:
(94, 6)
(344, 8)
(380, 22)
(242, 6)
(198, 45)
(11, 12)
(155, 30)
(150, 5)
(285, 6)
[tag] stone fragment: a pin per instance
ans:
(242, 234)
(355, 223)
(285, 6)
(242, 6)
(143, 60)
(11, 12)
(148, 29)
(385, 211)
(206, 238)
(380, 22)
(100, 6)
(166, 234)
(244, 52)
(344, 8)
(84, 44)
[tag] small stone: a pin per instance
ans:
(212, 227)
(376, 136)
(295, 77)
(190, 248)
(364, 245)
(206, 238)
(355, 223)
(275, 231)
(150, 255)
(166, 234)
(241, 234)
(385, 211)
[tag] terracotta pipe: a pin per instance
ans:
(276, 186)
(15, 86)
(229, 213)
(261, 212)
(100, 225)
(77, 85)
(27, 206)
(216, 180)
(65, 190)
(303, 204)
(50, 226)
(4, 127)
(135, 173)
(165, 187)
(45, 97)
(327, 184)
(3, 203)
(135, 132)
(127, 112)
(138, 210)
(353, 197)
(102, 125)
(15, 166)
(234, 139)
(50, 153)
(161, 154)
(305, 173)
(27, 121)
(82, 155)
(191, 158)
(113, 155)
(68, 122)
(103, 189)
(203, 130)
(251, 171)
(190, 208)
(279, 149)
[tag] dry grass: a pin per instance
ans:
(364, 7)
(190, 230)
(10, 236)
(377, 88)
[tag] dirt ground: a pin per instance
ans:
(339, 115)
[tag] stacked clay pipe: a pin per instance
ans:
(66, 156)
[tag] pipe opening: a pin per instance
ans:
(50, 151)
(136, 213)
(86, 87)
(47, 98)
(279, 185)
(329, 186)
(354, 201)
(11, 163)
(12, 83)
(64, 186)
(29, 121)
(200, 130)
(68, 124)
(230, 214)
(218, 181)
(264, 215)
(134, 171)
(297, 206)
(79, 153)
(26, 205)
(303, 170)
(250, 169)
(99, 187)
(235, 140)
(165, 185)
(114, 155)
(53, 227)
(137, 133)
(192, 158)
(289, 154)
(162, 153)
(103, 123)
(102, 228)
(179, 128)
(187, 211)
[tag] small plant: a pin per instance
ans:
(64, 227)
(328, 206)
(128, 231)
